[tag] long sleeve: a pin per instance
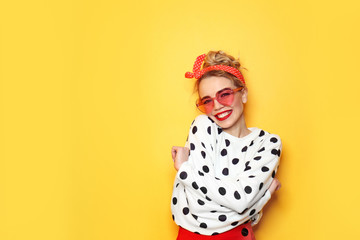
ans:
(237, 193)
(225, 180)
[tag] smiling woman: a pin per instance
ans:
(226, 171)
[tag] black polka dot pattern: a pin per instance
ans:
(261, 149)
(247, 167)
(183, 175)
(222, 218)
(223, 173)
(186, 211)
(203, 189)
(237, 195)
(252, 212)
(264, 169)
(222, 191)
(248, 189)
(274, 151)
(244, 232)
(203, 225)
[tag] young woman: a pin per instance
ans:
(226, 171)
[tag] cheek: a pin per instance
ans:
(237, 105)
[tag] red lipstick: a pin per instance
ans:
(223, 115)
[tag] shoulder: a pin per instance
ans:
(272, 142)
(263, 137)
(274, 138)
(263, 134)
(202, 124)
(203, 120)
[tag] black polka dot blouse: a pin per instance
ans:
(225, 180)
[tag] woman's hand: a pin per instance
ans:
(179, 156)
(274, 186)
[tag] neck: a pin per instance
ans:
(239, 129)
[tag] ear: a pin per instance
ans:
(244, 95)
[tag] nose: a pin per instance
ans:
(217, 105)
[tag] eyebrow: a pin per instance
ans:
(216, 93)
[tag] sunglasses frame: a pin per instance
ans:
(199, 103)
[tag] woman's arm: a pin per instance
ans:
(241, 193)
(179, 155)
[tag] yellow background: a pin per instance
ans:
(93, 96)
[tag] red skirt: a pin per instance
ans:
(241, 232)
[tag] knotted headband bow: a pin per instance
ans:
(197, 73)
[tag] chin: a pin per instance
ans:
(233, 120)
(224, 124)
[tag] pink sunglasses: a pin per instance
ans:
(224, 97)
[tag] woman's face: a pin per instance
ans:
(226, 117)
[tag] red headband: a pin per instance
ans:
(197, 73)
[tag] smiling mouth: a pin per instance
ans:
(223, 115)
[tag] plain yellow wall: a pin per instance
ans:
(93, 96)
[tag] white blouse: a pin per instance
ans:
(225, 180)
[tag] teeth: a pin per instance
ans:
(224, 114)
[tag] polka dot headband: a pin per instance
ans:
(197, 73)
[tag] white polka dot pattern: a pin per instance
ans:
(197, 73)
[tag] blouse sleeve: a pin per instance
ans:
(245, 192)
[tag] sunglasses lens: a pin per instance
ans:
(225, 97)
(205, 106)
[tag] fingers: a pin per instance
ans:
(174, 151)
(274, 186)
(278, 185)
(179, 155)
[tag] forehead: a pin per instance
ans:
(211, 85)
